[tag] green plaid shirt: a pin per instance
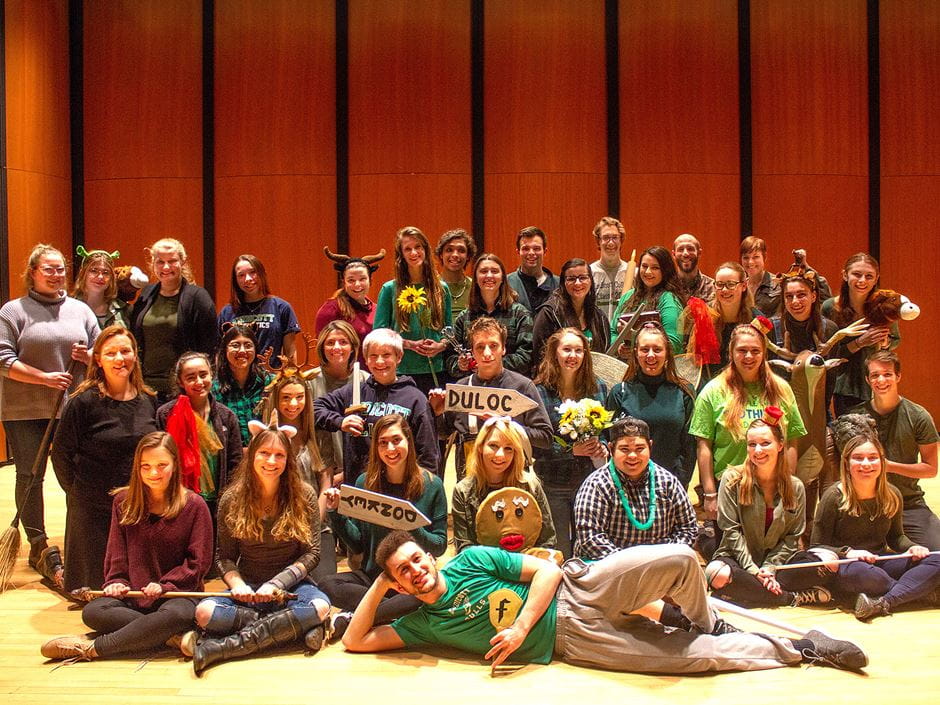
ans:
(243, 402)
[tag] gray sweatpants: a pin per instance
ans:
(595, 628)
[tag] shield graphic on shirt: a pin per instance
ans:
(504, 607)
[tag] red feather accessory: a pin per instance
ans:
(704, 340)
(181, 424)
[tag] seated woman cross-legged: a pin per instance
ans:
(392, 470)
(160, 541)
(268, 543)
(499, 459)
(861, 517)
(761, 514)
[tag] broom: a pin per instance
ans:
(10, 539)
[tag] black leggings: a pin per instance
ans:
(130, 629)
(746, 590)
(346, 591)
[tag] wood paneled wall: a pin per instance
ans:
(275, 145)
(38, 167)
(808, 75)
(910, 182)
(545, 136)
(142, 141)
(524, 130)
(679, 163)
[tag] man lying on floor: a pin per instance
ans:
(517, 607)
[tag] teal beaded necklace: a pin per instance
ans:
(626, 503)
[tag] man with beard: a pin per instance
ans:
(512, 606)
(687, 249)
(610, 270)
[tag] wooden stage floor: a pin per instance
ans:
(903, 649)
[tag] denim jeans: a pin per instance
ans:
(25, 437)
(223, 615)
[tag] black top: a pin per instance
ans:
(94, 444)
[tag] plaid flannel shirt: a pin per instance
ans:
(602, 526)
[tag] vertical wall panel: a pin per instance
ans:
(275, 145)
(545, 131)
(37, 115)
(809, 78)
(409, 120)
(910, 181)
(679, 124)
(142, 125)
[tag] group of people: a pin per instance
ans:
(197, 444)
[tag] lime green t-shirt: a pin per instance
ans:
(727, 449)
(483, 597)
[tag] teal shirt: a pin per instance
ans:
(669, 309)
(479, 602)
(411, 363)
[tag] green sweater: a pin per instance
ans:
(411, 363)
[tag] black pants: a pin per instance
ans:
(922, 526)
(746, 590)
(346, 591)
(128, 629)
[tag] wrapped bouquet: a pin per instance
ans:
(581, 420)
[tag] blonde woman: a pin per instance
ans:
(500, 457)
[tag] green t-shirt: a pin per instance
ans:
(728, 449)
(482, 592)
(902, 432)
(160, 331)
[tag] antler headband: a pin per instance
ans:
(341, 262)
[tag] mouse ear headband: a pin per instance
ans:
(255, 427)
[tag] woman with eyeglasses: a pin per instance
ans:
(760, 512)
(657, 288)
(94, 446)
(491, 296)
(239, 381)
(42, 333)
(861, 517)
(96, 285)
(251, 303)
(574, 305)
(733, 304)
(499, 459)
(652, 391)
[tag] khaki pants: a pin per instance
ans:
(595, 627)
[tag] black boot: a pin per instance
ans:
(278, 629)
(867, 608)
(243, 617)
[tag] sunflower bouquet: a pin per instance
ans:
(580, 421)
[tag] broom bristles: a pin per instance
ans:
(9, 549)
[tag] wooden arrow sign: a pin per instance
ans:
(487, 400)
(375, 508)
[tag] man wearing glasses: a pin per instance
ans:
(609, 271)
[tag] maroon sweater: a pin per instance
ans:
(176, 553)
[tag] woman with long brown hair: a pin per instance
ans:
(657, 288)
(392, 470)
(268, 543)
(420, 324)
(160, 540)
(861, 276)
(566, 373)
(761, 516)
(93, 449)
(739, 394)
(652, 390)
(350, 303)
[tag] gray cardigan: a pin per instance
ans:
(744, 538)
(39, 330)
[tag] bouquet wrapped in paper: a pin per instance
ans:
(581, 420)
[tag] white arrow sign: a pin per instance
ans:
(375, 508)
(487, 400)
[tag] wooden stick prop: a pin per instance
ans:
(495, 401)
(842, 561)
(377, 508)
(750, 614)
(84, 594)
(10, 539)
